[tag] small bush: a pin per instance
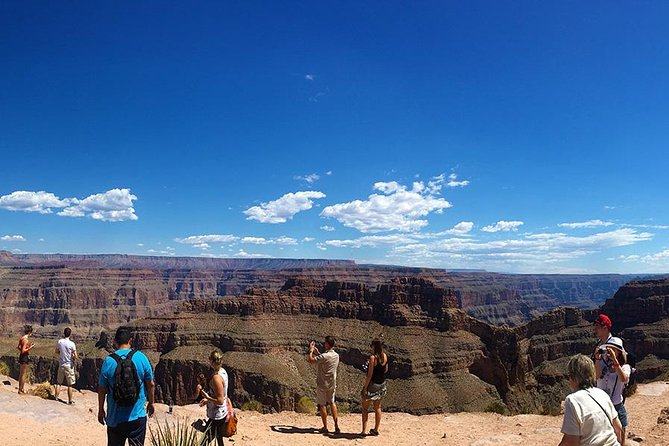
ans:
(175, 434)
(343, 408)
(496, 407)
(305, 405)
(43, 390)
(4, 368)
(253, 405)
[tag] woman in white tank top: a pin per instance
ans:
(216, 401)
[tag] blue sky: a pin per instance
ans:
(517, 137)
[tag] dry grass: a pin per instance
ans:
(43, 390)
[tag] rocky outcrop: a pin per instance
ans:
(102, 298)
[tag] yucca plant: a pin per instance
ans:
(175, 434)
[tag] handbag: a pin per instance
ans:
(231, 422)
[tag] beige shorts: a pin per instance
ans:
(66, 375)
(325, 396)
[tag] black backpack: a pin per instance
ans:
(126, 381)
(631, 386)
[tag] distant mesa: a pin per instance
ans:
(161, 262)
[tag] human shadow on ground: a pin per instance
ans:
(283, 429)
(312, 430)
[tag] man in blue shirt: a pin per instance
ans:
(125, 423)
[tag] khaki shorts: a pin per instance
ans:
(325, 396)
(66, 374)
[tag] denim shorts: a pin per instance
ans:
(622, 414)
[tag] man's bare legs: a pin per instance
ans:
(324, 416)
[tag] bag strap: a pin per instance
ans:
(601, 407)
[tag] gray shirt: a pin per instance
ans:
(327, 369)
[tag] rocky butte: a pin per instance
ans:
(442, 359)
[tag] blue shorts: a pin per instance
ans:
(622, 414)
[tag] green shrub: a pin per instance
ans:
(496, 407)
(4, 368)
(253, 405)
(175, 434)
(306, 405)
(343, 408)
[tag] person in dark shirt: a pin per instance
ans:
(374, 387)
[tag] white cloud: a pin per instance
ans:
(659, 260)
(308, 239)
(27, 201)
(211, 238)
(321, 247)
(113, 205)
(502, 225)
(328, 173)
(203, 246)
(372, 241)
(13, 238)
(586, 224)
(461, 228)
(283, 240)
(309, 77)
(453, 181)
(311, 178)
(327, 228)
(284, 208)
(140, 244)
(247, 255)
(531, 252)
(396, 208)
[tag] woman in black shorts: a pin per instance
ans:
(24, 348)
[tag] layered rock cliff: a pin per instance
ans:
(441, 358)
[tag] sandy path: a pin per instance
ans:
(28, 420)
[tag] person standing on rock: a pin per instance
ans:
(611, 369)
(374, 386)
(126, 382)
(67, 353)
(589, 416)
(326, 380)
(24, 348)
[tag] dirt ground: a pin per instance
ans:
(30, 420)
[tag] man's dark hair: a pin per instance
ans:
(67, 332)
(330, 340)
(28, 329)
(123, 335)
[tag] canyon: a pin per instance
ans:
(443, 359)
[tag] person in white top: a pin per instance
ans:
(216, 400)
(589, 416)
(613, 374)
(67, 353)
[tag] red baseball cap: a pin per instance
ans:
(604, 321)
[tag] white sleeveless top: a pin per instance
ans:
(219, 411)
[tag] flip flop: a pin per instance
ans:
(373, 432)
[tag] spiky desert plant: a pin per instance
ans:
(175, 434)
(42, 390)
(4, 368)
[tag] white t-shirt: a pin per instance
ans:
(327, 362)
(586, 419)
(612, 387)
(66, 349)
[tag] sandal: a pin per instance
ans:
(373, 432)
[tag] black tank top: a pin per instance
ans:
(379, 372)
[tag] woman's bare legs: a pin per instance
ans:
(377, 415)
(365, 415)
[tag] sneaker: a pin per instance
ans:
(71, 403)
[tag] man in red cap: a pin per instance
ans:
(611, 367)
